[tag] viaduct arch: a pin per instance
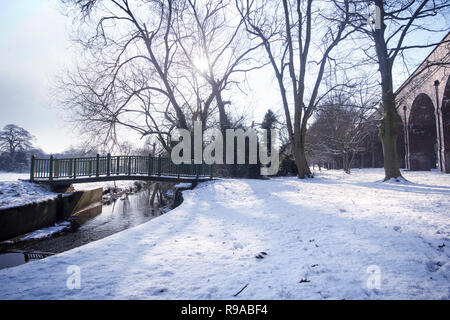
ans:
(423, 104)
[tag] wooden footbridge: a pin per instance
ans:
(64, 172)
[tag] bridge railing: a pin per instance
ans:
(72, 168)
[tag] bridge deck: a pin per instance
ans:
(69, 181)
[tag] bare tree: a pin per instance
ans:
(339, 129)
(143, 68)
(395, 30)
(15, 142)
(298, 38)
(14, 138)
(210, 34)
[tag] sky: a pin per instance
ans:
(35, 49)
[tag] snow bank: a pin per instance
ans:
(323, 238)
(47, 232)
(14, 192)
(18, 193)
(183, 185)
(13, 176)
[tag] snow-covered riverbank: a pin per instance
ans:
(14, 192)
(323, 237)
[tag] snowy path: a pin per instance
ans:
(327, 231)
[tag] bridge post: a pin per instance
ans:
(129, 165)
(50, 174)
(150, 164)
(97, 165)
(159, 165)
(70, 168)
(210, 171)
(32, 168)
(118, 165)
(108, 164)
(56, 168)
(75, 168)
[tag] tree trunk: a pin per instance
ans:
(373, 159)
(388, 136)
(300, 156)
(155, 191)
(388, 127)
(345, 163)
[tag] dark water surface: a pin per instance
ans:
(11, 259)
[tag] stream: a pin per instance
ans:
(134, 209)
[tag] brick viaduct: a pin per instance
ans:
(423, 104)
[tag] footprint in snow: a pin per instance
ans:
(261, 255)
(156, 291)
(433, 266)
(304, 281)
(237, 245)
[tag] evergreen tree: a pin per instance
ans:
(269, 123)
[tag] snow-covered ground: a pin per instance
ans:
(332, 237)
(14, 192)
(183, 185)
(13, 176)
(47, 232)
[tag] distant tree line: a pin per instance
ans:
(15, 148)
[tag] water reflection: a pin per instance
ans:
(133, 210)
(12, 259)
